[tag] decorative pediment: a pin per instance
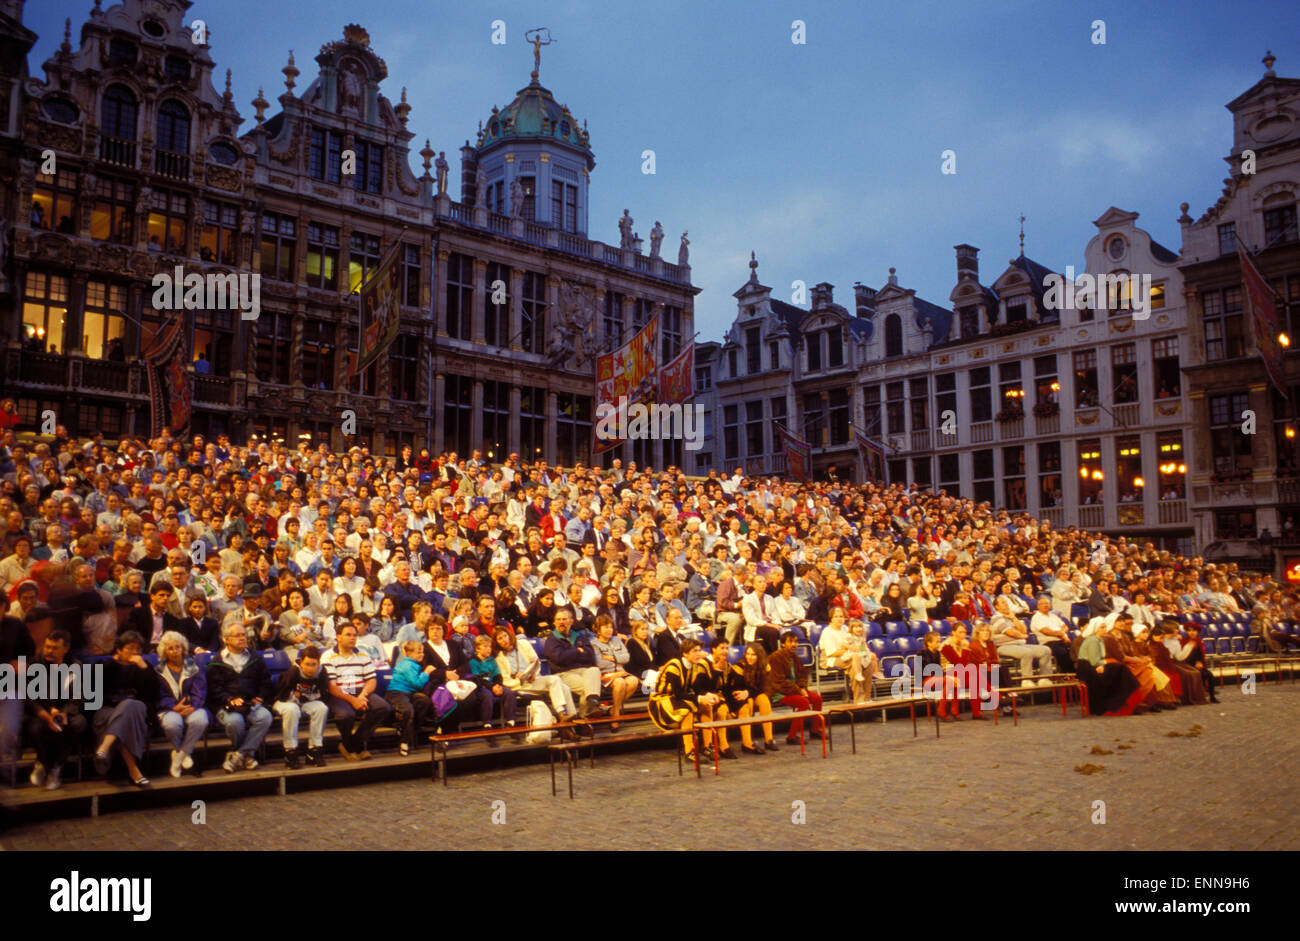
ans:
(1115, 217)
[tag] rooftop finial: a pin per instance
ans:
(1022, 235)
(428, 154)
(290, 73)
(227, 94)
(1268, 61)
(261, 104)
(402, 110)
(537, 38)
(753, 267)
(67, 35)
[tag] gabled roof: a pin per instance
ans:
(939, 318)
(790, 316)
(1160, 253)
(861, 327)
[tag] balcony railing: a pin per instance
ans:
(1092, 517)
(1047, 425)
(1172, 511)
(1054, 515)
(1128, 416)
(1288, 490)
(173, 166)
(117, 151)
(212, 390)
(613, 255)
(981, 432)
(50, 369)
(1015, 428)
(106, 374)
(921, 440)
(499, 224)
(575, 244)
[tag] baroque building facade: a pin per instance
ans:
(504, 300)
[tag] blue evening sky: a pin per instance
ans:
(823, 158)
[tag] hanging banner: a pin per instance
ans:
(873, 459)
(677, 379)
(380, 295)
(171, 385)
(1263, 318)
(798, 455)
(628, 376)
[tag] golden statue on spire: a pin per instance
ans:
(537, 38)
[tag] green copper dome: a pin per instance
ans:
(535, 115)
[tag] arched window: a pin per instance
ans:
(119, 112)
(173, 127)
(893, 335)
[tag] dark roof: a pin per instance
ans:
(790, 315)
(939, 318)
(861, 327)
(1160, 253)
(1036, 272)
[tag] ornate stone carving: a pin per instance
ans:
(58, 137)
(290, 155)
(224, 179)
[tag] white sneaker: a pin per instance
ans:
(55, 780)
(176, 764)
(187, 763)
(1026, 682)
(233, 762)
(1044, 682)
(248, 762)
(38, 774)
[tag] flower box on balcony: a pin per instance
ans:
(1046, 409)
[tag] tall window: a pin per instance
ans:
(573, 429)
(214, 337)
(528, 212)
(921, 472)
(613, 319)
(274, 347)
(173, 138)
(670, 328)
(703, 378)
(460, 295)
(404, 367)
(564, 206)
(895, 409)
(457, 412)
(1172, 468)
(981, 395)
(1085, 379)
(1124, 373)
(496, 305)
(1224, 324)
(1011, 391)
(835, 347)
(1049, 474)
(117, 126)
(950, 473)
(496, 419)
(318, 354)
(814, 419)
(1129, 480)
(1016, 312)
(411, 275)
(1228, 238)
(104, 327)
(1013, 477)
(945, 398)
(1119, 294)
(640, 313)
(1235, 524)
(733, 368)
(1230, 449)
(169, 216)
(754, 429)
(777, 405)
(893, 335)
(363, 260)
(1047, 387)
(871, 409)
(279, 242)
(774, 354)
(325, 158)
(731, 431)
(839, 416)
(982, 462)
(45, 306)
(1286, 297)
(322, 256)
(1091, 474)
(220, 225)
(369, 176)
(533, 311)
(753, 351)
(54, 201)
(970, 322)
(1279, 225)
(814, 343)
(920, 393)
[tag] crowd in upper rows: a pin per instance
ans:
(441, 566)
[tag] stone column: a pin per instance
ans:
(74, 322)
(826, 421)
(438, 445)
(476, 417)
(552, 416)
(513, 436)
(515, 314)
(480, 288)
(1263, 445)
(295, 350)
(439, 289)
(1199, 462)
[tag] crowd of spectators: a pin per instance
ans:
(444, 568)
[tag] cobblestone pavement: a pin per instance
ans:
(1230, 787)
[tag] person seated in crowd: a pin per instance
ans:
(408, 694)
(962, 673)
(786, 610)
(486, 672)
(759, 617)
(1010, 636)
(612, 657)
(575, 663)
(1262, 625)
(130, 699)
(1050, 630)
(521, 670)
(838, 651)
(787, 683)
(1112, 688)
(153, 621)
(202, 633)
(710, 680)
(675, 705)
(54, 721)
(1122, 647)
(182, 696)
(744, 693)
(541, 614)
(239, 687)
(260, 631)
(303, 691)
(1192, 654)
(355, 706)
(367, 642)
(641, 661)
(1186, 680)
(450, 665)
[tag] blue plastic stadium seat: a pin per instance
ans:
(151, 659)
(382, 677)
(905, 645)
(873, 629)
(277, 661)
(879, 647)
(919, 628)
(943, 627)
(201, 659)
(1078, 611)
(815, 635)
(735, 652)
(896, 629)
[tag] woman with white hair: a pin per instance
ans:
(182, 693)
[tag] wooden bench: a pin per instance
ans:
(441, 740)
(1061, 685)
(754, 720)
(571, 750)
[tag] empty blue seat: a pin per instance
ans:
(151, 659)
(943, 627)
(1078, 611)
(735, 653)
(382, 677)
(815, 634)
(277, 661)
(896, 629)
(201, 659)
(905, 645)
(879, 647)
(920, 628)
(873, 629)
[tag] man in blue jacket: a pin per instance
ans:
(575, 663)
